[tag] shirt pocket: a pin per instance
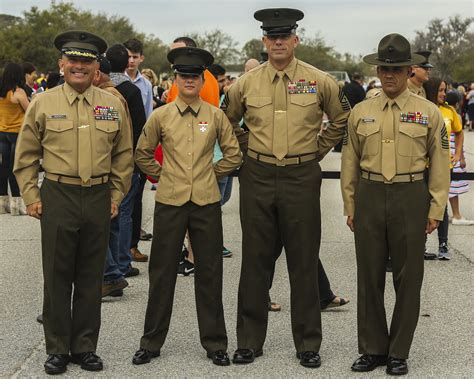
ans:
(259, 110)
(59, 135)
(369, 137)
(412, 139)
(105, 135)
(302, 110)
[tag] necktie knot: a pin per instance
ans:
(80, 97)
(281, 74)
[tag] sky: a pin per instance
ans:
(354, 27)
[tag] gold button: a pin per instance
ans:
(189, 153)
(189, 139)
(189, 168)
(189, 124)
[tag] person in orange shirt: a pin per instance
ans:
(210, 94)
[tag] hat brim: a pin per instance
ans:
(373, 59)
(426, 65)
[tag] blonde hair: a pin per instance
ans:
(150, 74)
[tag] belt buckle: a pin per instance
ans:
(387, 181)
(86, 184)
(280, 163)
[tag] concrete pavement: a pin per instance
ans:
(442, 347)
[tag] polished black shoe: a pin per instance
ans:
(132, 272)
(39, 318)
(143, 356)
(309, 359)
(427, 256)
(244, 356)
(88, 361)
(368, 362)
(145, 236)
(56, 364)
(389, 266)
(219, 357)
(396, 366)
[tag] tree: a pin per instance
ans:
(221, 45)
(463, 70)
(447, 42)
(31, 38)
(252, 49)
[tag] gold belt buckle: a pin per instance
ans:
(280, 163)
(86, 184)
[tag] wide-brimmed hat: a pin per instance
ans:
(394, 50)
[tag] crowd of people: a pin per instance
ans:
(91, 134)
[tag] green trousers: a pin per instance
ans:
(390, 219)
(279, 202)
(204, 224)
(74, 235)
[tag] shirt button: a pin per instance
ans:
(189, 125)
(189, 153)
(189, 168)
(189, 139)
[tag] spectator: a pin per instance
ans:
(13, 104)
(151, 76)
(29, 70)
(435, 89)
(458, 187)
(470, 107)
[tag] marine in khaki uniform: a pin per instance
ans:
(83, 136)
(420, 74)
(282, 103)
(388, 205)
(187, 198)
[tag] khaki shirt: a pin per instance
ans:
(420, 91)
(187, 135)
(251, 97)
(50, 132)
(414, 145)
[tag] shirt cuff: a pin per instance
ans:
(349, 209)
(116, 196)
(31, 196)
(436, 212)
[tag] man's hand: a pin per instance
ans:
(113, 210)
(431, 225)
(35, 210)
(350, 223)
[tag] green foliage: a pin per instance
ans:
(463, 70)
(252, 49)
(448, 42)
(221, 45)
(31, 37)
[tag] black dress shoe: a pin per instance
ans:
(143, 356)
(429, 256)
(132, 272)
(88, 361)
(396, 366)
(56, 364)
(145, 236)
(309, 359)
(219, 357)
(243, 356)
(39, 318)
(368, 362)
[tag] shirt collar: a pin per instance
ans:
(71, 94)
(288, 70)
(400, 100)
(193, 107)
(137, 78)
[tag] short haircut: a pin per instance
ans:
(216, 70)
(188, 41)
(118, 57)
(134, 45)
(357, 76)
(452, 98)
(104, 65)
(28, 67)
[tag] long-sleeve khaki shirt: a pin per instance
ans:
(187, 135)
(415, 144)
(311, 93)
(50, 132)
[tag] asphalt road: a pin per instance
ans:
(443, 344)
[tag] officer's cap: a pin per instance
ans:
(80, 44)
(278, 21)
(394, 50)
(426, 54)
(190, 60)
